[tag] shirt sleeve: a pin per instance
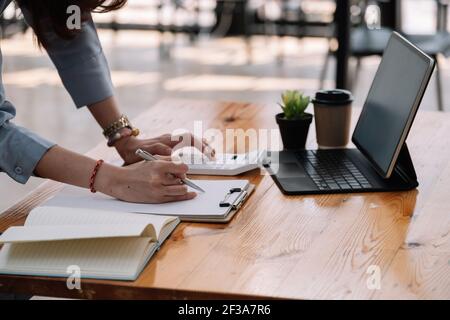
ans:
(85, 74)
(81, 64)
(20, 149)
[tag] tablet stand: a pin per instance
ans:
(405, 167)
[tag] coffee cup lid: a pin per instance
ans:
(333, 97)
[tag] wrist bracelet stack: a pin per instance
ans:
(120, 129)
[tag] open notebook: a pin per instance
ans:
(103, 244)
(206, 207)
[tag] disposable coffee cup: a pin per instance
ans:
(332, 114)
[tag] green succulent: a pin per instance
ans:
(294, 104)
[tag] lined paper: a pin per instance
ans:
(64, 232)
(100, 258)
(104, 245)
(60, 216)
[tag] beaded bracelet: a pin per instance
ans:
(94, 175)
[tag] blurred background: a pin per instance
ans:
(219, 49)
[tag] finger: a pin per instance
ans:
(176, 140)
(178, 169)
(185, 140)
(209, 152)
(168, 140)
(188, 196)
(175, 158)
(179, 190)
(171, 180)
(164, 158)
(190, 140)
(207, 146)
(158, 149)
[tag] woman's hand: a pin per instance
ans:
(163, 145)
(145, 182)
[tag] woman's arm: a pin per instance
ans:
(107, 112)
(84, 72)
(72, 168)
(145, 182)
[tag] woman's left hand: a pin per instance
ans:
(163, 145)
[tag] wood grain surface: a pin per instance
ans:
(299, 247)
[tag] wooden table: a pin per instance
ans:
(302, 247)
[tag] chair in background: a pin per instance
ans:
(189, 17)
(294, 18)
(368, 36)
(436, 45)
(369, 40)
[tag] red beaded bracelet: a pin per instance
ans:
(94, 174)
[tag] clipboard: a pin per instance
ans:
(206, 207)
(235, 206)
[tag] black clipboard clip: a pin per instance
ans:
(225, 202)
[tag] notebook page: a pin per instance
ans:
(75, 232)
(167, 230)
(99, 258)
(205, 204)
(56, 216)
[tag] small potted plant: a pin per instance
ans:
(294, 122)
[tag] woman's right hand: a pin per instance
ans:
(145, 182)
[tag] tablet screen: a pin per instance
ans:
(392, 102)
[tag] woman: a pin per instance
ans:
(78, 56)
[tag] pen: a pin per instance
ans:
(149, 157)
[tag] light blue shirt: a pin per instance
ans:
(85, 74)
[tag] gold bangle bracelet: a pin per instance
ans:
(118, 125)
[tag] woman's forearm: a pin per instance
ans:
(105, 112)
(145, 182)
(65, 166)
(72, 168)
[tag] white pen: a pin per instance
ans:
(149, 157)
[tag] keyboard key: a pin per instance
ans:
(332, 170)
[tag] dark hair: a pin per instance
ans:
(51, 15)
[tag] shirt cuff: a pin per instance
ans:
(21, 151)
(88, 82)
